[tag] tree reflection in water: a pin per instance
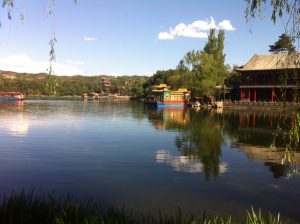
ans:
(202, 140)
(200, 135)
(199, 140)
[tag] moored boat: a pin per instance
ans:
(162, 96)
(11, 96)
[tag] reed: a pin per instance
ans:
(33, 208)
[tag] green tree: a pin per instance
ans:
(52, 85)
(1, 83)
(220, 49)
(202, 71)
(211, 47)
(211, 70)
(283, 45)
(191, 59)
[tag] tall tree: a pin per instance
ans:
(51, 85)
(212, 69)
(191, 59)
(206, 69)
(283, 45)
(212, 43)
(220, 49)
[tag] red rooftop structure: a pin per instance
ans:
(273, 77)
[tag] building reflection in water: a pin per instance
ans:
(16, 104)
(201, 134)
(253, 132)
(169, 118)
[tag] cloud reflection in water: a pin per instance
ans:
(184, 163)
(16, 125)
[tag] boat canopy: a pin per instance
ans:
(10, 93)
(181, 90)
(162, 86)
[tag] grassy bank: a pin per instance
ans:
(31, 208)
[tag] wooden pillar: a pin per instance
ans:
(254, 95)
(249, 95)
(273, 95)
(248, 120)
(241, 120)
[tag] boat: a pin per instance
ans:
(85, 96)
(11, 96)
(91, 96)
(162, 96)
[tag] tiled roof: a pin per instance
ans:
(272, 62)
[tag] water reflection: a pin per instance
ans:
(125, 155)
(16, 104)
(169, 118)
(202, 140)
(199, 140)
(201, 135)
(17, 124)
(184, 163)
(256, 128)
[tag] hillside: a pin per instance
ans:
(34, 84)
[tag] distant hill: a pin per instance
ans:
(26, 76)
(34, 84)
(30, 76)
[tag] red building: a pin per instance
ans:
(273, 77)
(105, 82)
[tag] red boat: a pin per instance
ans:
(11, 96)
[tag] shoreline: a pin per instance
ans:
(261, 106)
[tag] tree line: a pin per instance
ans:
(43, 84)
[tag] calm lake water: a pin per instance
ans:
(123, 154)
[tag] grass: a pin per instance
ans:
(32, 208)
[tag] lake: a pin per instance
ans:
(126, 155)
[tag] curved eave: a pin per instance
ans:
(180, 92)
(263, 70)
(160, 91)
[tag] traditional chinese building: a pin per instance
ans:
(105, 82)
(272, 77)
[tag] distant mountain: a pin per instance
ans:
(26, 76)
(34, 84)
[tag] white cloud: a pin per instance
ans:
(23, 63)
(197, 29)
(62, 69)
(165, 36)
(86, 38)
(226, 25)
(15, 125)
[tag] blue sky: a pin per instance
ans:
(121, 37)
